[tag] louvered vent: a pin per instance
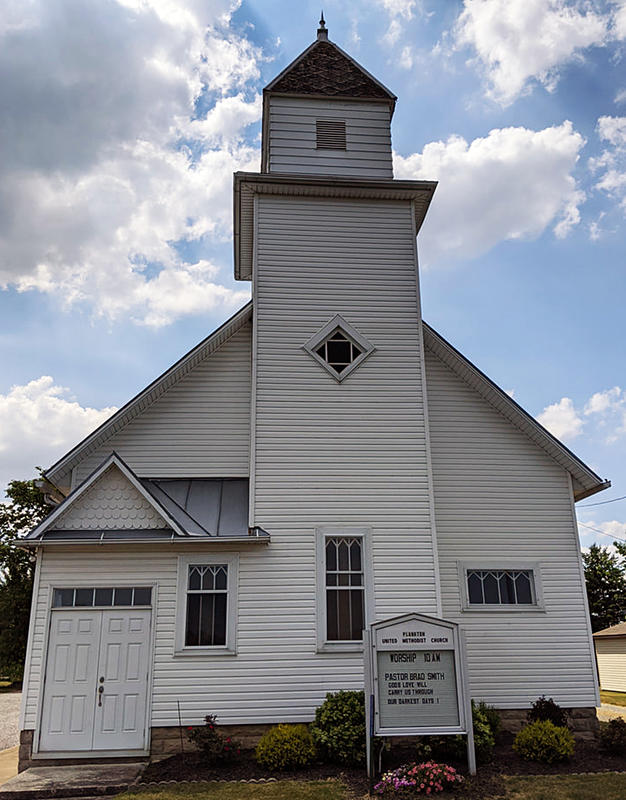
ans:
(331, 134)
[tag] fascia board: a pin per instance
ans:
(148, 395)
(112, 460)
(420, 193)
(589, 482)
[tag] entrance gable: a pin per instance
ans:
(110, 503)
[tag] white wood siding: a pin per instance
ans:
(276, 674)
(611, 654)
(292, 138)
(498, 495)
(349, 454)
(199, 428)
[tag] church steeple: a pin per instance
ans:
(322, 32)
(325, 101)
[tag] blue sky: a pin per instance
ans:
(123, 120)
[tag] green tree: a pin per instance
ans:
(24, 507)
(605, 576)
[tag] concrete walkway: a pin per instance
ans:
(42, 783)
(9, 719)
(607, 712)
(8, 763)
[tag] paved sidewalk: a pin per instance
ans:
(607, 712)
(43, 783)
(8, 763)
(9, 719)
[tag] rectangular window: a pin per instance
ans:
(207, 603)
(501, 587)
(345, 589)
(206, 606)
(89, 597)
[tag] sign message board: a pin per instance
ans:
(415, 679)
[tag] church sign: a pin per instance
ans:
(416, 679)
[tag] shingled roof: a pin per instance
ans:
(324, 69)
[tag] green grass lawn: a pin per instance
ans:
(614, 698)
(608, 786)
(283, 790)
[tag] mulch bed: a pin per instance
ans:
(487, 784)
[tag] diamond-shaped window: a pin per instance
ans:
(339, 348)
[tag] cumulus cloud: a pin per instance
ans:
(611, 163)
(602, 533)
(520, 41)
(511, 184)
(123, 122)
(562, 419)
(603, 416)
(39, 421)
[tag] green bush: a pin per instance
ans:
(215, 747)
(455, 747)
(613, 736)
(546, 710)
(339, 728)
(492, 717)
(544, 741)
(285, 747)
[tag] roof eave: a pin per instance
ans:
(228, 328)
(590, 482)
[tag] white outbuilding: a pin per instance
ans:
(323, 460)
(611, 656)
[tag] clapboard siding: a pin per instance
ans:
(200, 427)
(499, 496)
(292, 138)
(355, 453)
(276, 674)
(611, 655)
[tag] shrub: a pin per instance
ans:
(215, 747)
(339, 728)
(455, 747)
(544, 741)
(412, 779)
(613, 736)
(285, 747)
(546, 710)
(491, 716)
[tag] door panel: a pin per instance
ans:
(85, 647)
(123, 663)
(69, 696)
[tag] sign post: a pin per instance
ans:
(415, 670)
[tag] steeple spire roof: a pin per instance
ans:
(325, 69)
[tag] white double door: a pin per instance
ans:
(96, 682)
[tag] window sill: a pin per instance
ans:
(502, 609)
(190, 652)
(340, 647)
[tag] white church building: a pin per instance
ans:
(323, 460)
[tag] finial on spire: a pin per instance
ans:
(322, 32)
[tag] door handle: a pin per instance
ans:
(100, 691)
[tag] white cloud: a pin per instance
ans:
(600, 402)
(612, 161)
(108, 167)
(517, 41)
(511, 184)
(562, 419)
(38, 423)
(620, 97)
(604, 534)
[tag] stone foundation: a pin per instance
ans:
(167, 741)
(582, 722)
